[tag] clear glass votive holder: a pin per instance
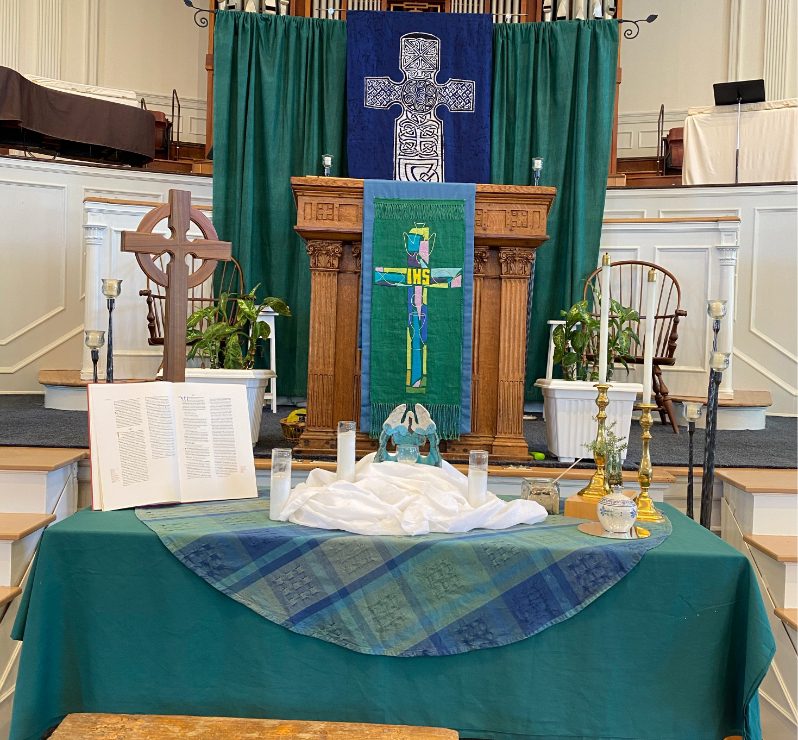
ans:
(280, 485)
(544, 491)
(407, 454)
(347, 443)
(477, 477)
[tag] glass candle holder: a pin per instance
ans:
(94, 338)
(111, 287)
(692, 410)
(477, 477)
(716, 308)
(326, 163)
(280, 485)
(347, 438)
(719, 361)
(407, 454)
(544, 491)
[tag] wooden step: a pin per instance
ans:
(8, 594)
(788, 616)
(781, 548)
(761, 480)
(742, 399)
(39, 459)
(14, 527)
(146, 727)
(72, 379)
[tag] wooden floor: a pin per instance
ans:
(154, 727)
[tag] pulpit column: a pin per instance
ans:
(325, 257)
(515, 265)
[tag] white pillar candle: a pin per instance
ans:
(604, 324)
(280, 483)
(477, 477)
(279, 491)
(346, 451)
(648, 350)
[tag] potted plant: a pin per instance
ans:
(223, 336)
(569, 404)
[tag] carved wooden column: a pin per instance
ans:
(325, 257)
(515, 265)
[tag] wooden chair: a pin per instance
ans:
(627, 282)
(230, 279)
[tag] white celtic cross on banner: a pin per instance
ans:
(418, 132)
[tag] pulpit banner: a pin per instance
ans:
(418, 96)
(416, 303)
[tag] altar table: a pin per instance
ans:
(112, 622)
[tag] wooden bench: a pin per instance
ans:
(157, 727)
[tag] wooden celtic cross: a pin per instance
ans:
(177, 279)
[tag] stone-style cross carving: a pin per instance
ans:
(418, 132)
(177, 279)
(417, 277)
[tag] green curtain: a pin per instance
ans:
(279, 104)
(553, 96)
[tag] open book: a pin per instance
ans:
(161, 443)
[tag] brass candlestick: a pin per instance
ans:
(646, 511)
(599, 486)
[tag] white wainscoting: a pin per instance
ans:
(765, 321)
(42, 242)
(697, 253)
(104, 224)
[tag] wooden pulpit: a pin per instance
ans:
(510, 224)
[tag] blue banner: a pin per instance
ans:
(418, 96)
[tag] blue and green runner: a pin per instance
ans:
(418, 264)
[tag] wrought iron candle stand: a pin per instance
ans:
(599, 486)
(94, 339)
(692, 412)
(111, 290)
(646, 511)
(718, 362)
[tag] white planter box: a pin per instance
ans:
(570, 410)
(255, 382)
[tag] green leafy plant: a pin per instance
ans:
(576, 341)
(225, 333)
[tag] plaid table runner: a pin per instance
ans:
(437, 594)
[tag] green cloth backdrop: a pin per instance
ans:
(563, 114)
(280, 103)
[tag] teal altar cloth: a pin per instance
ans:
(112, 622)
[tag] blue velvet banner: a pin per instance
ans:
(419, 96)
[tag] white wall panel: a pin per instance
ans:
(42, 282)
(766, 321)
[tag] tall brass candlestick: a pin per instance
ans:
(646, 511)
(599, 486)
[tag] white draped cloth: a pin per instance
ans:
(392, 498)
(768, 143)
